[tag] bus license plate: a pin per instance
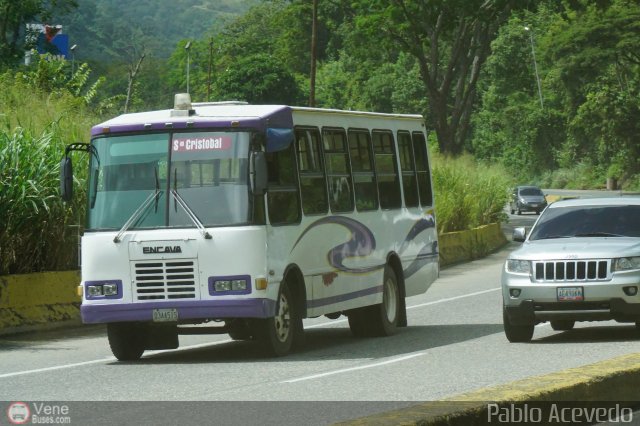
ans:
(570, 294)
(165, 315)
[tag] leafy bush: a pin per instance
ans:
(37, 231)
(35, 234)
(468, 194)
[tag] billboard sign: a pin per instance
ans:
(47, 39)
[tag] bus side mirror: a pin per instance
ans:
(259, 175)
(66, 179)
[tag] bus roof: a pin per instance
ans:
(224, 115)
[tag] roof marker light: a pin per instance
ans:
(182, 101)
(182, 105)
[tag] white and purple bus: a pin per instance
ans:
(245, 219)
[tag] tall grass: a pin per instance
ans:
(36, 230)
(467, 193)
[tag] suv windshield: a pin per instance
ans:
(207, 169)
(588, 221)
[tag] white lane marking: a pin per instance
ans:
(449, 299)
(360, 367)
(56, 367)
(105, 360)
(200, 345)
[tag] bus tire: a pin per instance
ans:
(126, 340)
(276, 334)
(384, 317)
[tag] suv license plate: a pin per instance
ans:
(165, 315)
(570, 294)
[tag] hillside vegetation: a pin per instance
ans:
(512, 92)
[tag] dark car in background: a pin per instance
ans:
(527, 199)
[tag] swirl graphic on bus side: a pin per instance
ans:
(427, 253)
(362, 243)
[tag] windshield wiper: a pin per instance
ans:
(180, 201)
(155, 170)
(136, 215)
(551, 237)
(598, 234)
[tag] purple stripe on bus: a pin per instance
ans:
(202, 309)
(341, 298)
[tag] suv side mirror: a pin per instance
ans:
(66, 179)
(259, 176)
(519, 234)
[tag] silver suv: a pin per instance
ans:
(580, 262)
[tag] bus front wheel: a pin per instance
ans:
(126, 340)
(276, 334)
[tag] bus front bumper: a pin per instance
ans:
(188, 311)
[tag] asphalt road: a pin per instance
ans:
(454, 344)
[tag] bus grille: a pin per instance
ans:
(164, 280)
(571, 270)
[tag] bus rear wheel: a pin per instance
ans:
(126, 340)
(381, 319)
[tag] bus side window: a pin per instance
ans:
(338, 170)
(283, 200)
(313, 186)
(408, 168)
(422, 168)
(364, 180)
(386, 169)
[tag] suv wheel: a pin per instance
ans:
(516, 333)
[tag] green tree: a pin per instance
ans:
(259, 79)
(595, 52)
(450, 40)
(510, 124)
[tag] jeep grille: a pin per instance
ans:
(571, 270)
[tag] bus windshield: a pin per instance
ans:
(208, 170)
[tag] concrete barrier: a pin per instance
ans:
(614, 380)
(49, 299)
(39, 300)
(456, 247)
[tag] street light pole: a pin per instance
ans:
(73, 58)
(312, 73)
(209, 73)
(535, 65)
(187, 47)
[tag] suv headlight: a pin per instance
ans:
(518, 266)
(626, 264)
